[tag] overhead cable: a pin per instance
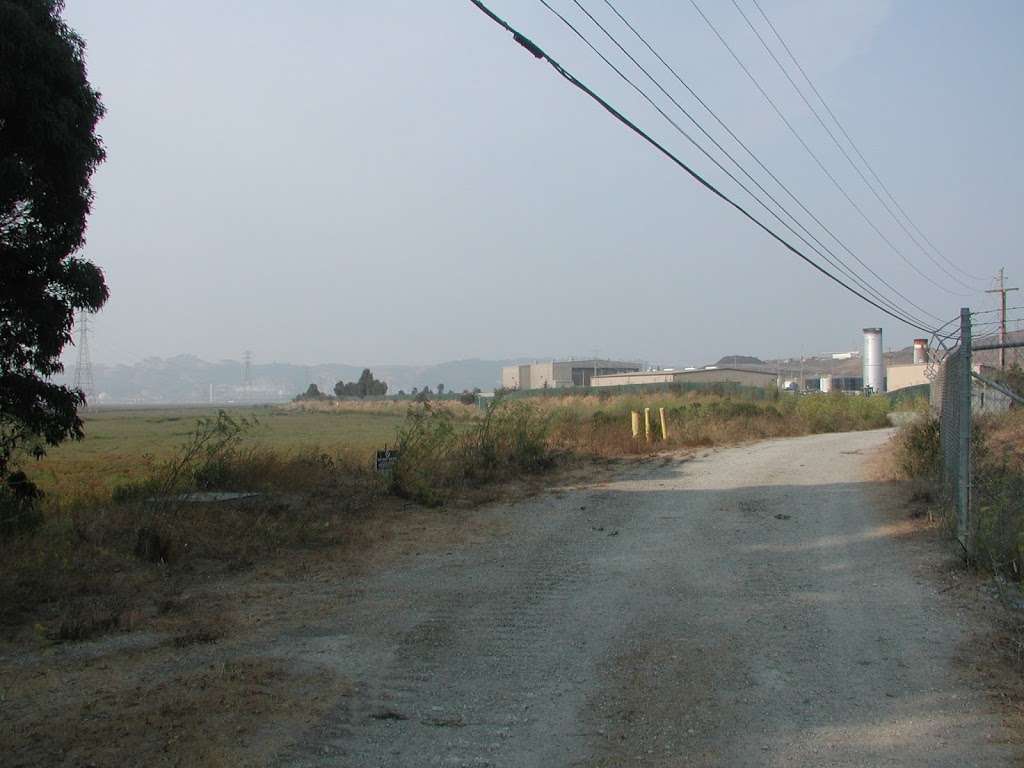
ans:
(846, 154)
(856, 149)
(538, 53)
(834, 261)
(817, 160)
(747, 149)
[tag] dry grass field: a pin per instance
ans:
(121, 444)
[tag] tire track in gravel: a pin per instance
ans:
(750, 607)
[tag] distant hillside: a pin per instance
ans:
(189, 379)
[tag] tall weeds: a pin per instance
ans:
(436, 459)
(996, 516)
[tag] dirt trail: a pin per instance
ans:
(749, 607)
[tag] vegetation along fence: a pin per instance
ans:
(958, 392)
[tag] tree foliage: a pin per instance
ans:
(312, 393)
(48, 152)
(365, 387)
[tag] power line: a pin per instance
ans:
(842, 149)
(756, 159)
(856, 149)
(538, 53)
(993, 311)
(840, 265)
(811, 152)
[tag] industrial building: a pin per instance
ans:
(909, 374)
(562, 373)
(711, 374)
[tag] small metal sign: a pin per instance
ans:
(387, 459)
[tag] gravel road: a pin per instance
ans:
(753, 606)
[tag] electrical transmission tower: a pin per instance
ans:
(84, 380)
(247, 367)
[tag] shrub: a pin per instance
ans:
(208, 460)
(426, 443)
(997, 516)
(435, 459)
(919, 450)
(19, 505)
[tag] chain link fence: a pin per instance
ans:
(951, 401)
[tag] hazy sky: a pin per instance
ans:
(399, 182)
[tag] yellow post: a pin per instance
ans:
(664, 427)
(635, 419)
(647, 424)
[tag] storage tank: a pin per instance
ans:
(920, 351)
(825, 384)
(874, 365)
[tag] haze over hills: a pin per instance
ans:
(189, 379)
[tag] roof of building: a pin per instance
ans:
(691, 371)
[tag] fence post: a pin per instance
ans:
(647, 424)
(634, 418)
(664, 427)
(964, 388)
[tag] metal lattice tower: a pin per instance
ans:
(247, 367)
(84, 380)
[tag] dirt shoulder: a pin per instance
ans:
(768, 604)
(181, 665)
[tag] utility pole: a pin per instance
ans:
(84, 381)
(1002, 290)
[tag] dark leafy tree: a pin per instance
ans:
(366, 385)
(48, 152)
(312, 393)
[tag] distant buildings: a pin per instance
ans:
(561, 373)
(751, 377)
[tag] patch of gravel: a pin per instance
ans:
(753, 606)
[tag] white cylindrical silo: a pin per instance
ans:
(874, 365)
(920, 351)
(825, 384)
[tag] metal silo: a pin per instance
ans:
(874, 365)
(920, 351)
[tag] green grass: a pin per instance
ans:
(120, 444)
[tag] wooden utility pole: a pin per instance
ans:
(1002, 290)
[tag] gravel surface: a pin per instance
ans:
(753, 606)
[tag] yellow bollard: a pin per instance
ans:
(664, 427)
(635, 419)
(647, 424)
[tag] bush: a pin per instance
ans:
(919, 450)
(19, 505)
(435, 459)
(426, 444)
(997, 516)
(837, 412)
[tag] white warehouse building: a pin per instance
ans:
(561, 373)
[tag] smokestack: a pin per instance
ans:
(920, 351)
(874, 365)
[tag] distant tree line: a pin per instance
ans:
(368, 386)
